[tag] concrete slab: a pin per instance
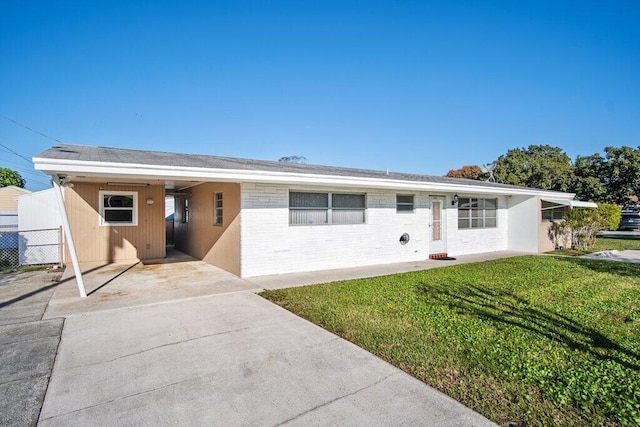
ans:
(24, 295)
(279, 281)
(119, 285)
(27, 345)
(631, 256)
(233, 359)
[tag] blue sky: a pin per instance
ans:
(410, 86)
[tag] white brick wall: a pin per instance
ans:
(473, 241)
(269, 245)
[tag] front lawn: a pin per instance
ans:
(530, 340)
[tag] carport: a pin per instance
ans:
(120, 284)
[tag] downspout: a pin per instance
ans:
(67, 233)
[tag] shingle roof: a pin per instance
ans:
(158, 158)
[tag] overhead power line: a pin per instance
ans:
(9, 150)
(30, 129)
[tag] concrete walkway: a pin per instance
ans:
(279, 281)
(191, 345)
(631, 256)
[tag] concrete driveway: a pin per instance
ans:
(27, 344)
(222, 358)
(233, 359)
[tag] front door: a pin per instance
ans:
(437, 227)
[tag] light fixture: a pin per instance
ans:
(129, 184)
(149, 201)
(455, 200)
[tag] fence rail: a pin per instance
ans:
(30, 247)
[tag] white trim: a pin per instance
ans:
(571, 203)
(110, 170)
(102, 222)
(219, 216)
(70, 244)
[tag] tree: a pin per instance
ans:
(620, 174)
(468, 172)
(11, 177)
(589, 183)
(293, 159)
(538, 166)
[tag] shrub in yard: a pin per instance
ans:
(612, 214)
(583, 226)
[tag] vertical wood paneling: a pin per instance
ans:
(200, 238)
(116, 243)
(8, 196)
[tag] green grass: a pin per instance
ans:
(604, 244)
(529, 340)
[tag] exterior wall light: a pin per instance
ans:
(149, 201)
(455, 200)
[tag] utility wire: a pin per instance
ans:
(28, 128)
(13, 152)
(9, 151)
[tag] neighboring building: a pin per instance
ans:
(9, 217)
(39, 225)
(256, 218)
(8, 198)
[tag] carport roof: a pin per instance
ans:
(54, 159)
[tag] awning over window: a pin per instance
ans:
(571, 203)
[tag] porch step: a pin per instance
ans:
(438, 256)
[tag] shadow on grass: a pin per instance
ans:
(607, 266)
(509, 309)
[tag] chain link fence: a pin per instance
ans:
(30, 247)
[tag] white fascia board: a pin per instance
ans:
(571, 203)
(160, 172)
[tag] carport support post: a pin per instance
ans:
(67, 233)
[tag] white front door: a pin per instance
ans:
(437, 227)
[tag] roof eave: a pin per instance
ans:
(111, 170)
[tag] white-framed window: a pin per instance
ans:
(118, 208)
(326, 208)
(217, 209)
(185, 210)
(553, 211)
(404, 202)
(477, 213)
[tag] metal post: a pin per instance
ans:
(60, 247)
(67, 232)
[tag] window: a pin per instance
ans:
(477, 213)
(404, 203)
(552, 211)
(118, 208)
(185, 210)
(217, 209)
(326, 208)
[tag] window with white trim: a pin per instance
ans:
(326, 208)
(217, 209)
(404, 202)
(553, 211)
(477, 213)
(185, 210)
(118, 207)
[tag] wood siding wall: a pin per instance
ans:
(98, 243)
(8, 196)
(200, 238)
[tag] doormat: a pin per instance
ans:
(446, 258)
